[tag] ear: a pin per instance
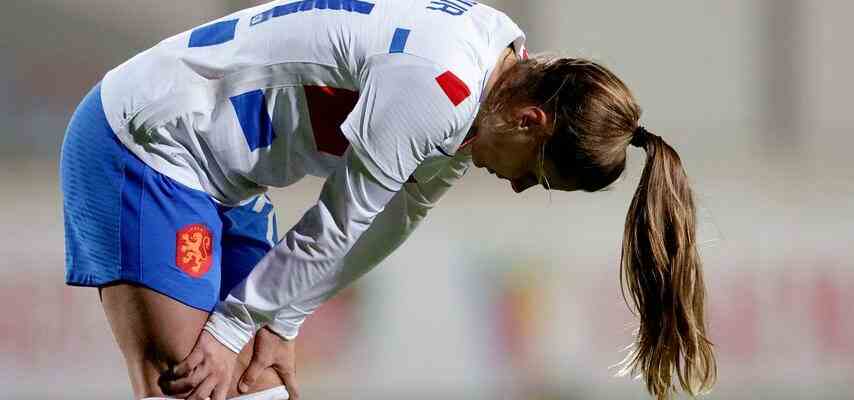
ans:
(534, 118)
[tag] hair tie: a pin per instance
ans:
(640, 137)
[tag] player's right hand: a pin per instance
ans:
(205, 373)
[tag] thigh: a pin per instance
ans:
(153, 331)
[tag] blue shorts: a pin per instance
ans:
(127, 223)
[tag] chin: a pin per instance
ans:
(475, 156)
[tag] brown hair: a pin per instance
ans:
(595, 117)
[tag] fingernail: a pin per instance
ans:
(243, 387)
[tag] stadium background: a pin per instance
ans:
(501, 296)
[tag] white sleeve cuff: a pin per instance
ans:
(285, 330)
(228, 332)
(288, 322)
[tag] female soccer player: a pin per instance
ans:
(165, 163)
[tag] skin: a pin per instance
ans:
(155, 332)
(509, 146)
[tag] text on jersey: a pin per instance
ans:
(452, 7)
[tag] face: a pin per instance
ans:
(512, 150)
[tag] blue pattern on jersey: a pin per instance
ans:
(398, 43)
(452, 7)
(286, 9)
(356, 6)
(251, 109)
(213, 34)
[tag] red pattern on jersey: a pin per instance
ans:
(454, 87)
(328, 107)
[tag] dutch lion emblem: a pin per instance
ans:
(193, 250)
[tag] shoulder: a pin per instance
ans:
(419, 87)
(470, 44)
(461, 36)
(409, 108)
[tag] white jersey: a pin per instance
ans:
(264, 96)
(370, 94)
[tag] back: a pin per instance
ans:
(257, 98)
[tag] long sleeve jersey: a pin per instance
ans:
(375, 96)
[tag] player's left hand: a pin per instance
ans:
(205, 373)
(272, 351)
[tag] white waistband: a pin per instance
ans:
(276, 393)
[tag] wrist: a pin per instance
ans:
(227, 332)
(284, 330)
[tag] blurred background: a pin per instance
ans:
(501, 296)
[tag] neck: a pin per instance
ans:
(505, 61)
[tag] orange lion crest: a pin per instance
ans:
(194, 245)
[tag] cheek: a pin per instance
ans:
(479, 151)
(488, 147)
(519, 156)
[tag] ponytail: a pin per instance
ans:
(595, 118)
(662, 273)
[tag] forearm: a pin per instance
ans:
(391, 228)
(402, 216)
(305, 263)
